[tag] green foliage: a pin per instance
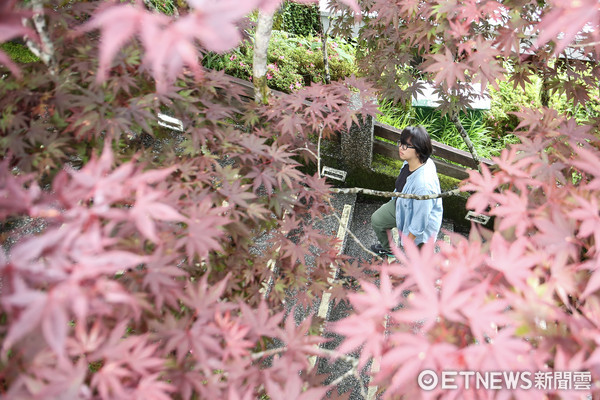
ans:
(293, 61)
(443, 130)
(506, 100)
(163, 6)
(583, 113)
(18, 52)
(301, 19)
(395, 115)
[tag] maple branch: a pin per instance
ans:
(582, 45)
(46, 51)
(353, 371)
(453, 192)
(268, 353)
(264, 28)
(319, 151)
(463, 133)
(321, 352)
(309, 151)
(317, 155)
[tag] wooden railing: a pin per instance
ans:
(441, 152)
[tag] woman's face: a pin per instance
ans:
(406, 151)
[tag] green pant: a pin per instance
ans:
(383, 220)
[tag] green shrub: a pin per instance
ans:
(164, 6)
(506, 100)
(293, 61)
(301, 19)
(443, 130)
(18, 52)
(582, 113)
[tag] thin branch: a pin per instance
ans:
(380, 193)
(582, 45)
(307, 150)
(353, 371)
(463, 133)
(268, 353)
(357, 240)
(319, 151)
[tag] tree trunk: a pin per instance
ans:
(264, 27)
(46, 51)
(325, 56)
(544, 93)
(467, 140)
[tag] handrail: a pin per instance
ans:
(441, 151)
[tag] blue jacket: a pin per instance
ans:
(422, 218)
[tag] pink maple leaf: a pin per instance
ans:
(589, 162)
(568, 18)
(503, 352)
(170, 43)
(14, 197)
(410, 354)
(515, 260)
(262, 323)
(205, 225)
(484, 185)
(118, 24)
(514, 212)
(447, 69)
(33, 303)
(298, 343)
(485, 313)
(593, 283)
(587, 213)
(234, 335)
(358, 331)
(151, 387)
(286, 384)
(147, 208)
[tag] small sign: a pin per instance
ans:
(333, 173)
(170, 122)
(479, 218)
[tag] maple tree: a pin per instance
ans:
(149, 273)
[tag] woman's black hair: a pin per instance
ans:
(418, 137)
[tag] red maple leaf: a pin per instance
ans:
(446, 69)
(148, 208)
(485, 63)
(204, 230)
